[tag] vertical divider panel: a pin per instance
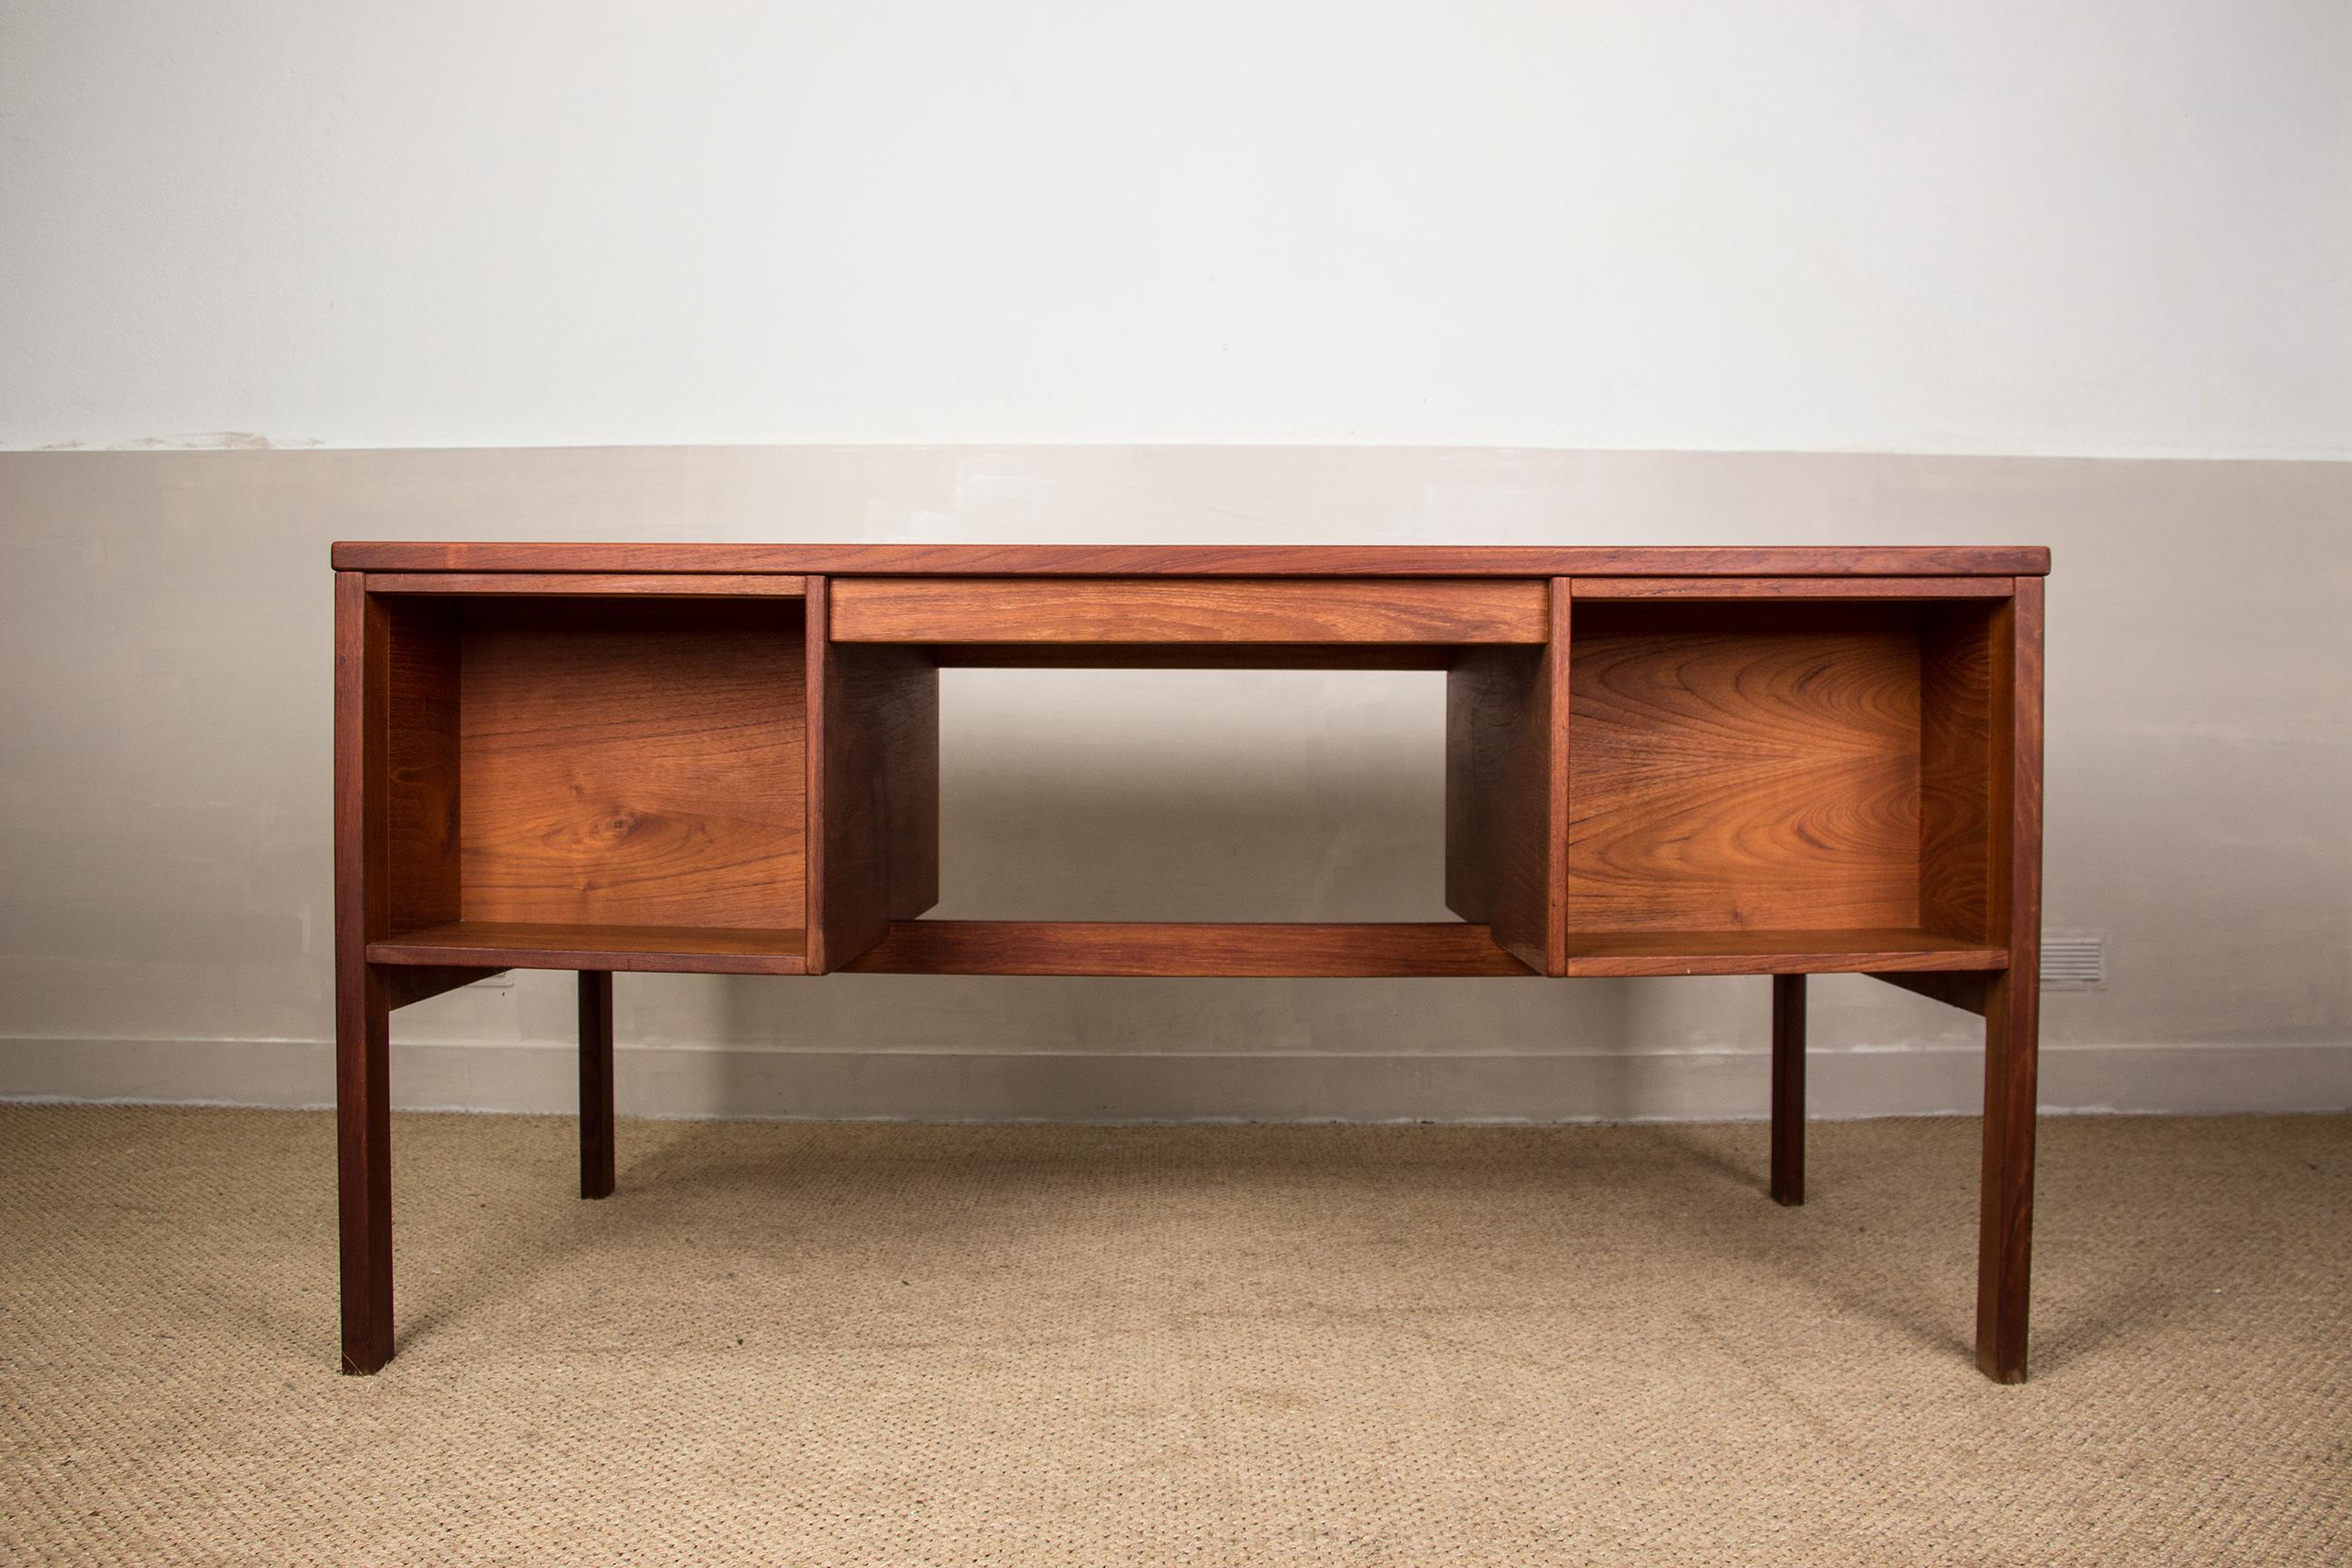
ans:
(1507, 792)
(421, 774)
(363, 699)
(817, 628)
(873, 790)
(2015, 876)
(1958, 758)
(1558, 689)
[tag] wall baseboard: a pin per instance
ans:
(949, 1086)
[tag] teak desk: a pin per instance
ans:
(724, 759)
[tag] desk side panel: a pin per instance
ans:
(875, 797)
(1957, 760)
(1507, 743)
(422, 777)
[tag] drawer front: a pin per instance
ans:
(1435, 610)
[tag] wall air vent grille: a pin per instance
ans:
(2075, 962)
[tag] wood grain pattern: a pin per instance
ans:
(1744, 767)
(633, 763)
(880, 860)
(420, 780)
(1201, 560)
(2005, 1203)
(1179, 610)
(363, 1169)
(363, 1011)
(1795, 588)
(1496, 720)
(725, 951)
(1506, 738)
(1194, 656)
(1116, 948)
(591, 585)
(362, 770)
(817, 658)
(1956, 767)
(1558, 774)
(2014, 879)
(683, 949)
(587, 763)
(1810, 951)
(2012, 1004)
(1788, 1089)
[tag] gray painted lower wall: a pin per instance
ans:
(1059, 1086)
(165, 897)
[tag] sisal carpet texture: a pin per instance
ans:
(808, 1343)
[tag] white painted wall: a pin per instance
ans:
(2092, 226)
(1970, 225)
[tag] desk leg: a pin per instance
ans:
(1789, 1089)
(363, 1139)
(595, 1083)
(2013, 999)
(2005, 1216)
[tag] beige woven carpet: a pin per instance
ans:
(908, 1345)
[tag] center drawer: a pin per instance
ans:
(1195, 610)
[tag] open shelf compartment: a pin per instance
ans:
(593, 783)
(1760, 787)
(878, 628)
(1676, 785)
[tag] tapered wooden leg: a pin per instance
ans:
(2013, 999)
(363, 1137)
(1789, 1089)
(595, 1083)
(2005, 1217)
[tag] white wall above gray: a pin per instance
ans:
(2060, 227)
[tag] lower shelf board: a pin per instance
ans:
(1865, 951)
(1113, 948)
(1437, 948)
(682, 950)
